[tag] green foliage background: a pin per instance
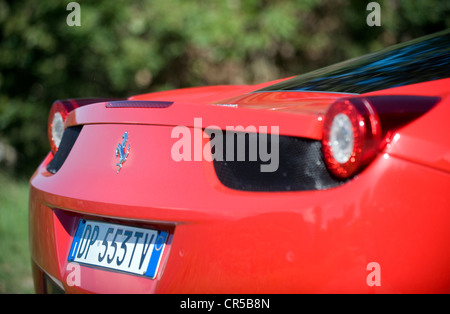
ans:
(128, 47)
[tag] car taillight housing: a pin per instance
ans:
(56, 120)
(58, 115)
(356, 129)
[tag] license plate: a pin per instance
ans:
(112, 246)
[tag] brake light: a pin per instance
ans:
(56, 120)
(351, 136)
(356, 129)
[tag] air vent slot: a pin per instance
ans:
(68, 140)
(301, 167)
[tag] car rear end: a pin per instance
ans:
(219, 231)
(336, 181)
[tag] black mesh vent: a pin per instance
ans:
(68, 140)
(300, 168)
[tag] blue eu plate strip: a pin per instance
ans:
(76, 240)
(156, 255)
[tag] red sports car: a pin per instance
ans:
(335, 181)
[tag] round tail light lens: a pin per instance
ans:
(57, 128)
(351, 136)
(341, 138)
(56, 120)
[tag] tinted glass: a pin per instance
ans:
(420, 60)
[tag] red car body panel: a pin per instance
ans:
(394, 213)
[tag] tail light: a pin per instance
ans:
(58, 115)
(56, 119)
(356, 129)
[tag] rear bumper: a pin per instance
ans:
(395, 213)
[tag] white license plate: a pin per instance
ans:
(129, 249)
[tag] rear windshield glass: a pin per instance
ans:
(420, 60)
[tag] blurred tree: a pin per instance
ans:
(123, 48)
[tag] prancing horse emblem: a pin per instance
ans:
(121, 152)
